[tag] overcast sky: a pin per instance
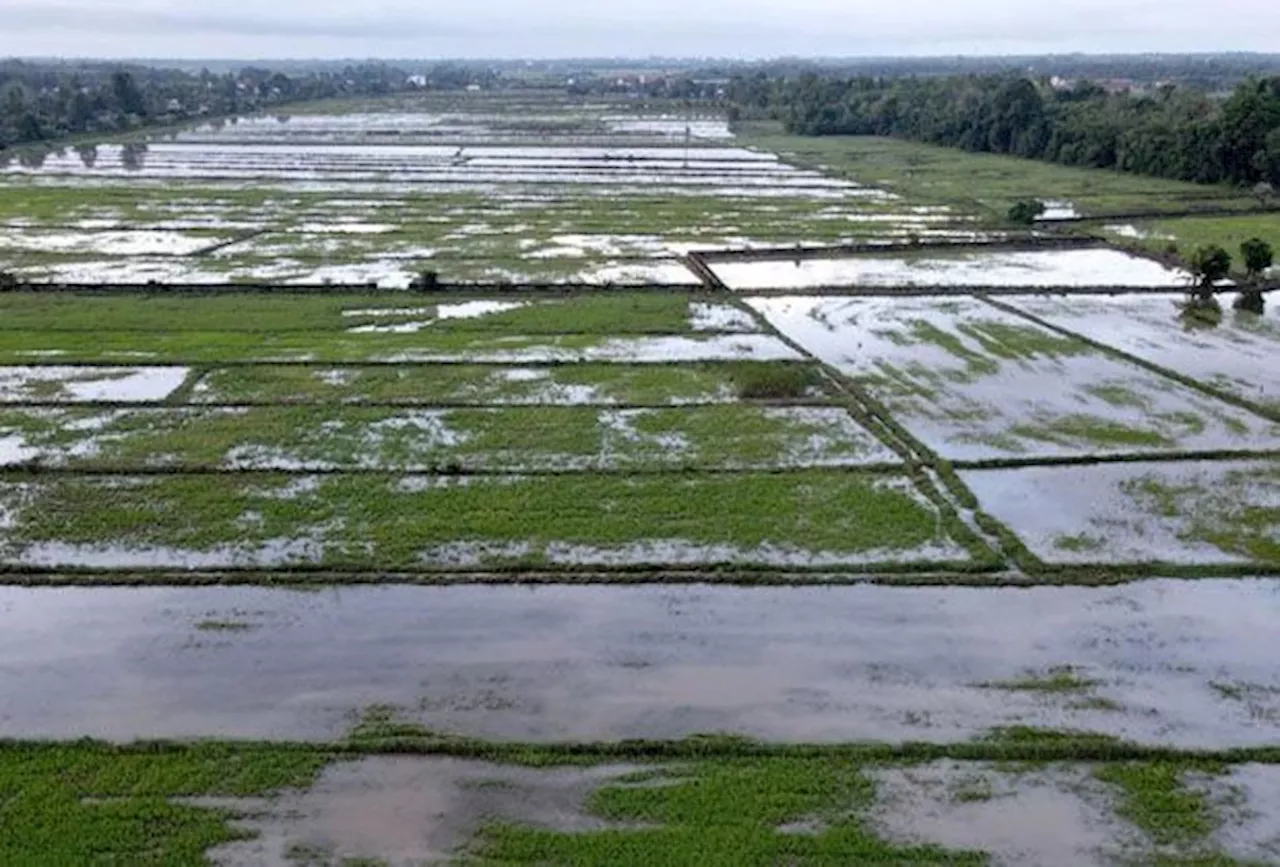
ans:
(598, 28)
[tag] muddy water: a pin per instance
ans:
(1101, 267)
(1234, 355)
(1106, 513)
(555, 663)
(405, 811)
(1251, 831)
(89, 384)
(940, 367)
(1056, 816)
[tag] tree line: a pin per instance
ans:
(1168, 132)
(49, 101)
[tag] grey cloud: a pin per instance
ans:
(193, 24)
(520, 28)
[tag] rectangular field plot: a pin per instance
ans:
(973, 382)
(251, 267)
(507, 440)
(371, 313)
(21, 347)
(1195, 512)
(434, 168)
(559, 385)
(437, 118)
(408, 224)
(378, 522)
(1076, 268)
(378, 328)
(1237, 355)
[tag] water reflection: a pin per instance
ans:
(88, 155)
(1251, 302)
(132, 155)
(1200, 313)
(32, 159)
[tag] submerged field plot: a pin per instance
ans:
(972, 381)
(525, 192)
(675, 443)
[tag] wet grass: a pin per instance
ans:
(1157, 800)
(1102, 432)
(731, 814)
(706, 800)
(1056, 680)
(779, 381)
(505, 440)
(1239, 514)
(224, 626)
(282, 312)
(1190, 233)
(381, 522)
(486, 384)
(210, 347)
(1079, 543)
(83, 804)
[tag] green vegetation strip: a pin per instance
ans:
(279, 313)
(719, 813)
(709, 800)
(392, 523)
(1189, 233)
(207, 347)
(487, 384)
(473, 440)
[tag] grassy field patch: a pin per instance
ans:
(603, 384)
(77, 804)
(532, 438)
(389, 522)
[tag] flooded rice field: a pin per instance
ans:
(1232, 354)
(1199, 512)
(972, 381)
(1163, 662)
(565, 194)
(614, 491)
(1061, 268)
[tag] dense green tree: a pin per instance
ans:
(47, 101)
(1258, 256)
(1169, 132)
(1208, 265)
(1026, 212)
(127, 95)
